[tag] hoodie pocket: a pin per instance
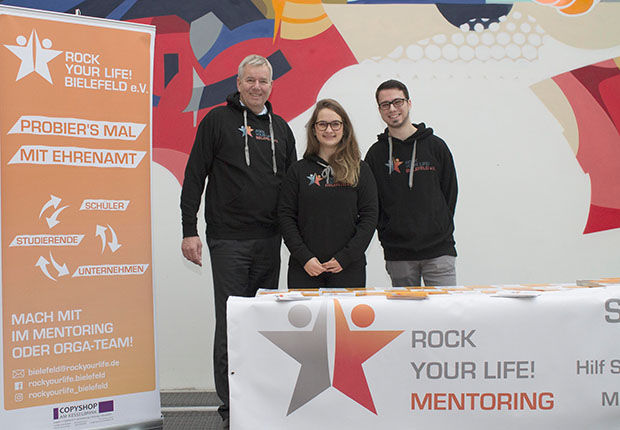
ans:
(255, 203)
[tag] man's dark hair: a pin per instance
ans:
(392, 84)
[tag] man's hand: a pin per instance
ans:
(332, 266)
(313, 267)
(192, 249)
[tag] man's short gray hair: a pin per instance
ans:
(255, 60)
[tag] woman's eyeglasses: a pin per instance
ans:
(322, 125)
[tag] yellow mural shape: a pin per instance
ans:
(299, 19)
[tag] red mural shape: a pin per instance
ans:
(293, 93)
(594, 95)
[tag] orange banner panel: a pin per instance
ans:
(77, 279)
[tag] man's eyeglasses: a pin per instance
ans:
(396, 102)
(322, 125)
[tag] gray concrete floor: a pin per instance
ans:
(190, 410)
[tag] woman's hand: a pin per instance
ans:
(313, 267)
(332, 266)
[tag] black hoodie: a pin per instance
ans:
(416, 212)
(241, 201)
(323, 219)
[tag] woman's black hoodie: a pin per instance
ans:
(323, 219)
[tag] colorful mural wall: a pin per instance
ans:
(199, 45)
(526, 94)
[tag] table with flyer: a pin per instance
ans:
(512, 357)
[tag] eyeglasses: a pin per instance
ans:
(322, 125)
(396, 102)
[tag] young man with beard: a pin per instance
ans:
(417, 187)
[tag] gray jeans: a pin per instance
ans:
(440, 271)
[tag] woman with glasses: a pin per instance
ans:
(328, 205)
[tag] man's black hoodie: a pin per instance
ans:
(323, 219)
(416, 211)
(240, 201)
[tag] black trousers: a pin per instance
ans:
(240, 268)
(353, 276)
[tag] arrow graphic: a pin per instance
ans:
(52, 221)
(101, 232)
(42, 264)
(53, 201)
(114, 245)
(62, 270)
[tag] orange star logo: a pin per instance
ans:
(397, 163)
(246, 131)
(353, 348)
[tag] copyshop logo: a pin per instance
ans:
(83, 409)
(353, 347)
(35, 54)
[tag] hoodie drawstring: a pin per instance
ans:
(327, 173)
(413, 154)
(273, 142)
(273, 147)
(412, 169)
(245, 127)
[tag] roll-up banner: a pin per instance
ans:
(78, 338)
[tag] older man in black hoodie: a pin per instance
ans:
(244, 149)
(417, 186)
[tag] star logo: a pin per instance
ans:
(308, 348)
(314, 179)
(246, 131)
(353, 348)
(34, 55)
(394, 165)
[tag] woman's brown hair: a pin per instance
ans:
(345, 162)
